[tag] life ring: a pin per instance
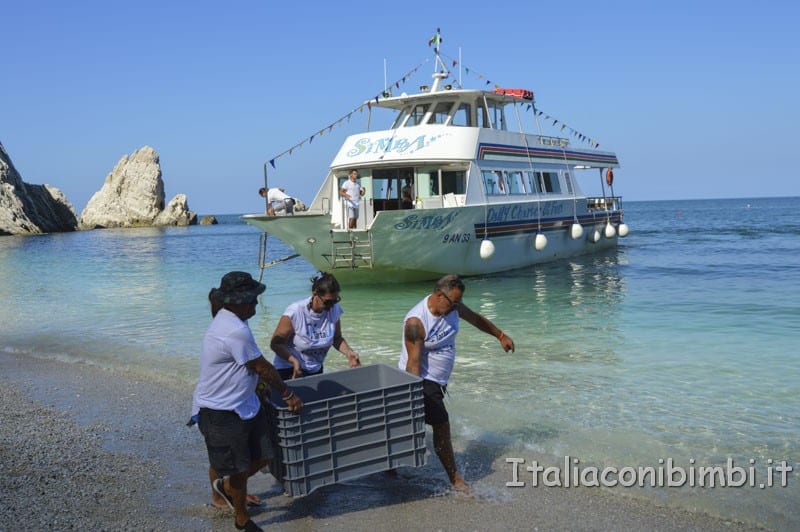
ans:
(609, 177)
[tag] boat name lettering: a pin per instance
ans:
(390, 144)
(522, 212)
(455, 238)
(434, 221)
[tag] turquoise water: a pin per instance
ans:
(680, 344)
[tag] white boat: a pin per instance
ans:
(486, 198)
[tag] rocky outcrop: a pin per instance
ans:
(176, 213)
(133, 196)
(209, 220)
(31, 209)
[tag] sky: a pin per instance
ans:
(698, 99)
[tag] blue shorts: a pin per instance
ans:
(233, 443)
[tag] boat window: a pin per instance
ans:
(462, 116)
(494, 183)
(452, 182)
(417, 114)
(498, 116)
(440, 112)
(400, 118)
(532, 183)
(387, 186)
(482, 114)
(550, 182)
(516, 185)
(568, 181)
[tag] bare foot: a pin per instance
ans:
(461, 487)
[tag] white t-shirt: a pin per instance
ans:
(353, 189)
(276, 194)
(439, 353)
(313, 334)
(225, 381)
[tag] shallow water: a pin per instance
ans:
(680, 344)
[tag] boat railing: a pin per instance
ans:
(608, 203)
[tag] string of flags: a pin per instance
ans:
(574, 132)
(386, 93)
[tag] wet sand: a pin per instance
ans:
(82, 447)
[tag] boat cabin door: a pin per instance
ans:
(365, 213)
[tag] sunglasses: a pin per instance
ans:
(329, 303)
(452, 303)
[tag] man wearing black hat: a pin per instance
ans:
(230, 415)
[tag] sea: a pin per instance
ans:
(675, 354)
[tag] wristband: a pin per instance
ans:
(286, 393)
(502, 335)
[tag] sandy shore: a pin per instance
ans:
(82, 447)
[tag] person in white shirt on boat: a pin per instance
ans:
(407, 195)
(277, 200)
(308, 329)
(351, 192)
(429, 351)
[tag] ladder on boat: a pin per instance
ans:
(351, 248)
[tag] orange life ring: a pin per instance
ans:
(609, 177)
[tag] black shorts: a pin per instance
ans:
(433, 396)
(233, 443)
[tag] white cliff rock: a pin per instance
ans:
(176, 213)
(133, 195)
(31, 209)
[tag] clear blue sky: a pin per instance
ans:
(698, 99)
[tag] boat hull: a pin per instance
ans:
(426, 244)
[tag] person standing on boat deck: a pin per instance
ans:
(407, 195)
(277, 200)
(308, 329)
(429, 351)
(351, 191)
(225, 403)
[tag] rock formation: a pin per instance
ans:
(133, 195)
(209, 220)
(176, 213)
(31, 209)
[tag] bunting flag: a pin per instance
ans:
(376, 99)
(386, 93)
(536, 112)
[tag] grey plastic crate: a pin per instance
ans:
(353, 423)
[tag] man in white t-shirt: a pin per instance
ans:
(429, 351)
(351, 192)
(225, 404)
(277, 200)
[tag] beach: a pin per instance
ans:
(84, 447)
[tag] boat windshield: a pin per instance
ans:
(478, 112)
